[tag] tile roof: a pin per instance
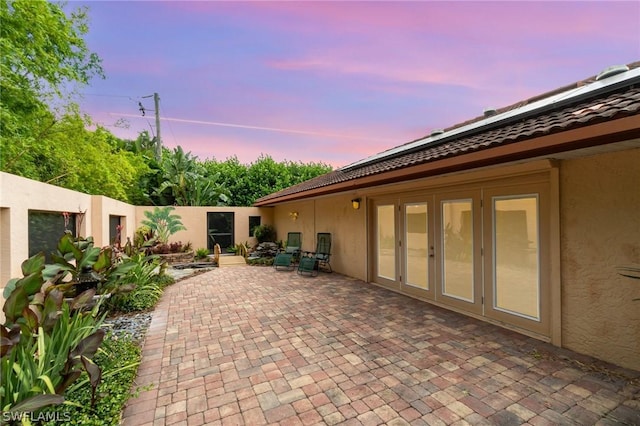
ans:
(623, 102)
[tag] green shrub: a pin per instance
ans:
(261, 261)
(147, 290)
(119, 360)
(202, 253)
(164, 280)
(264, 233)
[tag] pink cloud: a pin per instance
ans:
(387, 70)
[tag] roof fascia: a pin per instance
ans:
(603, 133)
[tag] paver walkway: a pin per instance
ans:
(250, 345)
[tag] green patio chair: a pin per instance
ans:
(314, 261)
(288, 257)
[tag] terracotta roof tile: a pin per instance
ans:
(622, 103)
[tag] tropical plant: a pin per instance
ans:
(75, 256)
(46, 341)
(147, 291)
(163, 223)
(185, 182)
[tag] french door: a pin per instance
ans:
(516, 258)
(459, 251)
(479, 251)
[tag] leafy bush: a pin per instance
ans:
(202, 253)
(164, 280)
(147, 290)
(46, 341)
(264, 233)
(119, 360)
(143, 236)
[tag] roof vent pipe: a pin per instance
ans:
(611, 71)
(489, 112)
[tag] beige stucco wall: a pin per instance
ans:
(335, 215)
(102, 208)
(19, 195)
(600, 229)
(195, 220)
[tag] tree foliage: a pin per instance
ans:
(42, 54)
(43, 58)
(185, 182)
(247, 183)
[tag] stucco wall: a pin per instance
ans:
(195, 220)
(335, 215)
(102, 208)
(600, 229)
(19, 195)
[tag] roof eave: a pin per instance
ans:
(602, 133)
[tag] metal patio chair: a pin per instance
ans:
(288, 257)
(311, 262)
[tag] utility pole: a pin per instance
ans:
(156, 100)
(143, 110)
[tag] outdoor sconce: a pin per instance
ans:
(355, 203)
(294, 215)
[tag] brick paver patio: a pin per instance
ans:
(250, 345)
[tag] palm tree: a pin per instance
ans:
(186, 181)
(163, 223)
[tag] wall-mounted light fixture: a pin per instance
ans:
(355, 203)
(294, 215)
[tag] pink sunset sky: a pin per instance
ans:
(336, 81)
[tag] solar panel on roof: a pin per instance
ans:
(610, 80)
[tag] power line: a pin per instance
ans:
(271, 129)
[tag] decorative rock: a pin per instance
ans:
(133, 326)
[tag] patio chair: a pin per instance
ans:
(288, 257)
(313, 261)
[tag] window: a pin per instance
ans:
(46, 229)
(115, 230)
(254, 221)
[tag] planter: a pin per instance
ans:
(172, 258)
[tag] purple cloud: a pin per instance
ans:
(343, 80)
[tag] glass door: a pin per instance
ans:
(385, 268)
(459, 251)
(418, 248)
(515, 265)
